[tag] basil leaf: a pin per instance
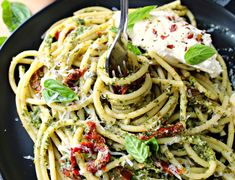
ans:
(138, 15)
(137, 148)
(6, 13)
(198, 53)
(133, 49)
(57, 92)
(14, 14)
(2, 40)
(153, 144)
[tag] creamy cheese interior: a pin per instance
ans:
(170, 36)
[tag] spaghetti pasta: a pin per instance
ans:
(161, 120)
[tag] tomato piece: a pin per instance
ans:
(73, 77)
(95, 144)
(165, 167)
(35, 80)
(168, 131)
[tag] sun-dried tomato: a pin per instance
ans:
(168, 131)
(94, 144)
(35, 80)
(165, 167)
(73, 77)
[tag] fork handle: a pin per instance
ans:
(124, 16)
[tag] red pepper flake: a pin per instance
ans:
(173, 28)
(186, 48)
(169, 18)
(154, 31)
(190, 36)
(163, 37)
(199, 37)
(170, 46)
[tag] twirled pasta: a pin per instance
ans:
(157, 97)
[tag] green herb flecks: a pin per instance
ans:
(81, 21)
(138, 15)
(200, 147)
(55, 91)
(14, 14)
(198, 53)
(80, 30)
(35, 119)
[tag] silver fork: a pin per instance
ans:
(116, 59)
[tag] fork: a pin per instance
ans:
(116, 59)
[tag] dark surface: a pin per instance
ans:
(14, 141)
(231, 6)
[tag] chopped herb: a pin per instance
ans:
(81, 21)
(48, 41)
(80, 30)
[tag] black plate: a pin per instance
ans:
(14, 141)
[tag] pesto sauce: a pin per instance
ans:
(35, 120)
(201, 147)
